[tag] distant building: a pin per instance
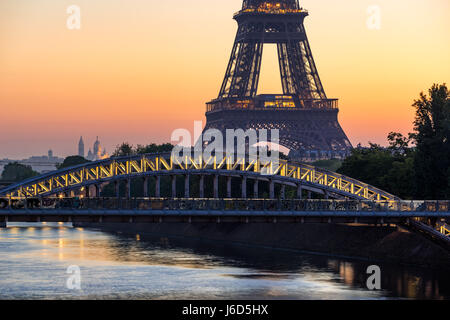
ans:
(98, 152)
(81, 147)
(41, 164)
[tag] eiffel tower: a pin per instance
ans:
(306, 118)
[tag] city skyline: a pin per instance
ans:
(110, 77)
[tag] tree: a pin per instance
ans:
(72, 161)
(18, 172)
(432, 138)
(125, 149)
(154, 148)
(386, 168)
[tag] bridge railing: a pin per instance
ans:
(223, 205)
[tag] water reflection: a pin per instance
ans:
(141, 266)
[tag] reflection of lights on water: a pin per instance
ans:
(61, 247)
(347, 272)
(138, 237)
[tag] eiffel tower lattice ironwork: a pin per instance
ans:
(306, 118)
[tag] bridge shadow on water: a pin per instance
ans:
(398, 281)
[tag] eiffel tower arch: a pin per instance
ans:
(306, 117)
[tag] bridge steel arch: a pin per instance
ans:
(286, 173)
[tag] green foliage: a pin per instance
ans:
(125, 149)
(332, 164)
(154, 148)
(382, 168)
(432, 137)
(17, 172)
(72, 161)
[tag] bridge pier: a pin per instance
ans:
(244, 187)
(309, 195)
(97, 190)
(283, 192)
(146, 187)
(117, 188)
(202, 186)
(174, 186)
(256, 189)
(228, 187)
(299, 192)
(158, 187)
(216, 186)
(272, 189)
(128, 189)
(187, 191)
(88, 191)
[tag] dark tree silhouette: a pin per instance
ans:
(72, 161)
(432, 137)
(17, 172)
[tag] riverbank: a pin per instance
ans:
(384, 243)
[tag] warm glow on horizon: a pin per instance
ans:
(138, 69)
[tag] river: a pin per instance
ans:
(34, 262)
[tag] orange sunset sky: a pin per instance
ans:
(138, 69)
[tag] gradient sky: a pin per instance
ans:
(138, 69)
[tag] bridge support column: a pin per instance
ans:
(327, 195)
(174, 186)
(244, 187)
(309, 195)
(187, 191)
(146, 187)
(128, 195)
(283, 192)
(117, 188)
(97, 191)
(228, 187)
(256, 189)
(272, 189)
(88, 191)
(299, 192)
(216, 186)
(202, 186)
(158, 187)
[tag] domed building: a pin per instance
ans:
(97, 152)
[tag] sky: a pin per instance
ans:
(137, 70)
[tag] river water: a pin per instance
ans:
(34, 262)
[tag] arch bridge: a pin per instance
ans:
(90, 177)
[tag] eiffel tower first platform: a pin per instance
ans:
(306, 118)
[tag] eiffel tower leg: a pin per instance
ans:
(242, 76)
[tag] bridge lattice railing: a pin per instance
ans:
(57, 182)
